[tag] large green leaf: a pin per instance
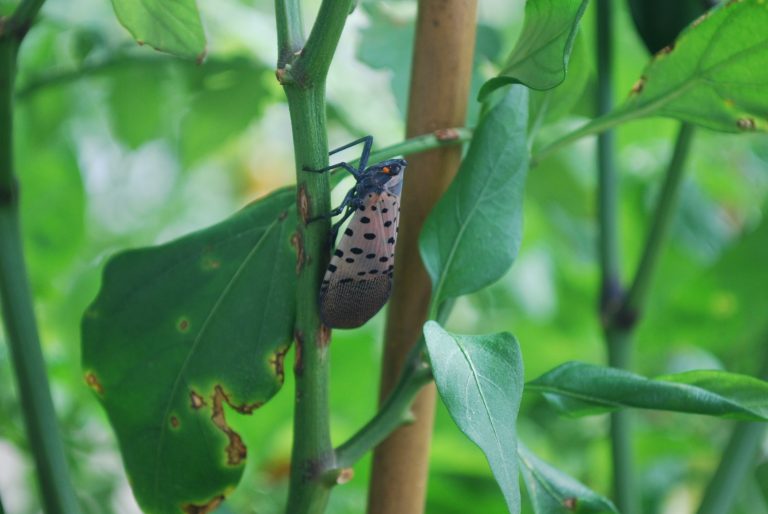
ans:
(480, 380)
(578, 389)
(540, 57)
(553, 492)
(715, 75)
(184, 334)
(171, 26)
(473, 234)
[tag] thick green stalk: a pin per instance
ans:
(303, 76)
(611, 291)
(312, 452)
(17, 305)
(662, 219)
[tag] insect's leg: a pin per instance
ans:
(344, 165)
(368, 140)
(367, 144)
(344, 203)
(336, 226)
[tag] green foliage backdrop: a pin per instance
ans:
(120, 147)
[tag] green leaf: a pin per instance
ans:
(553, 492)
(183, 335)
(551, 105)
(540, 57)
(480, 380)
(715, 75)
(483, 207)
(171, 26)
(578, 389)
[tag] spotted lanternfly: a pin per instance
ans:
(359, 277)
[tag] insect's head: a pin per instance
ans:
(391, 167)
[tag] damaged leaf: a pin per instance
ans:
(184, 335)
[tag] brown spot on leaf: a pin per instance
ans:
(570, 503)
(700, 19)
(638, 86)
(666, 50)
(282, 216)
(211, 263)
(746, 124)
(196, 400)
(183, 325)
(303, 203)
(212, 505)
(278, 363)
(301, 257)
(298, 365)
(175, 422)
(448, 134)
(236, 450)
(94, 383)
(345, 476)
(201, 57)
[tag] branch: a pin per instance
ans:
(662, 218)
(17, 305)
(312, 66)
(312, 456)
(290, 30)
(395, 412)
(21, 20)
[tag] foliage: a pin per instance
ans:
(175, 147)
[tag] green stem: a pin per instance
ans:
(412, 146)
(312, 452)
(395, 412)
(22, 18)
(312, 456)
(662, 219)
(290, 30)
(17, 305)
(738, 459)
(611, 293)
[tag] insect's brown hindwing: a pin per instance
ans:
(358, 281)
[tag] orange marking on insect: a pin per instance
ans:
(385, 169)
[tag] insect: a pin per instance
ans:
(358, 280)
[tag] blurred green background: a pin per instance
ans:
(118, 146)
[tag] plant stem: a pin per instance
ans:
(662, 218)
(312, 450)
(611, 293)
(738, 458)
(16, 298)
(395, 412)
(312, 456)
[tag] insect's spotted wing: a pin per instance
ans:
(359, 277)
